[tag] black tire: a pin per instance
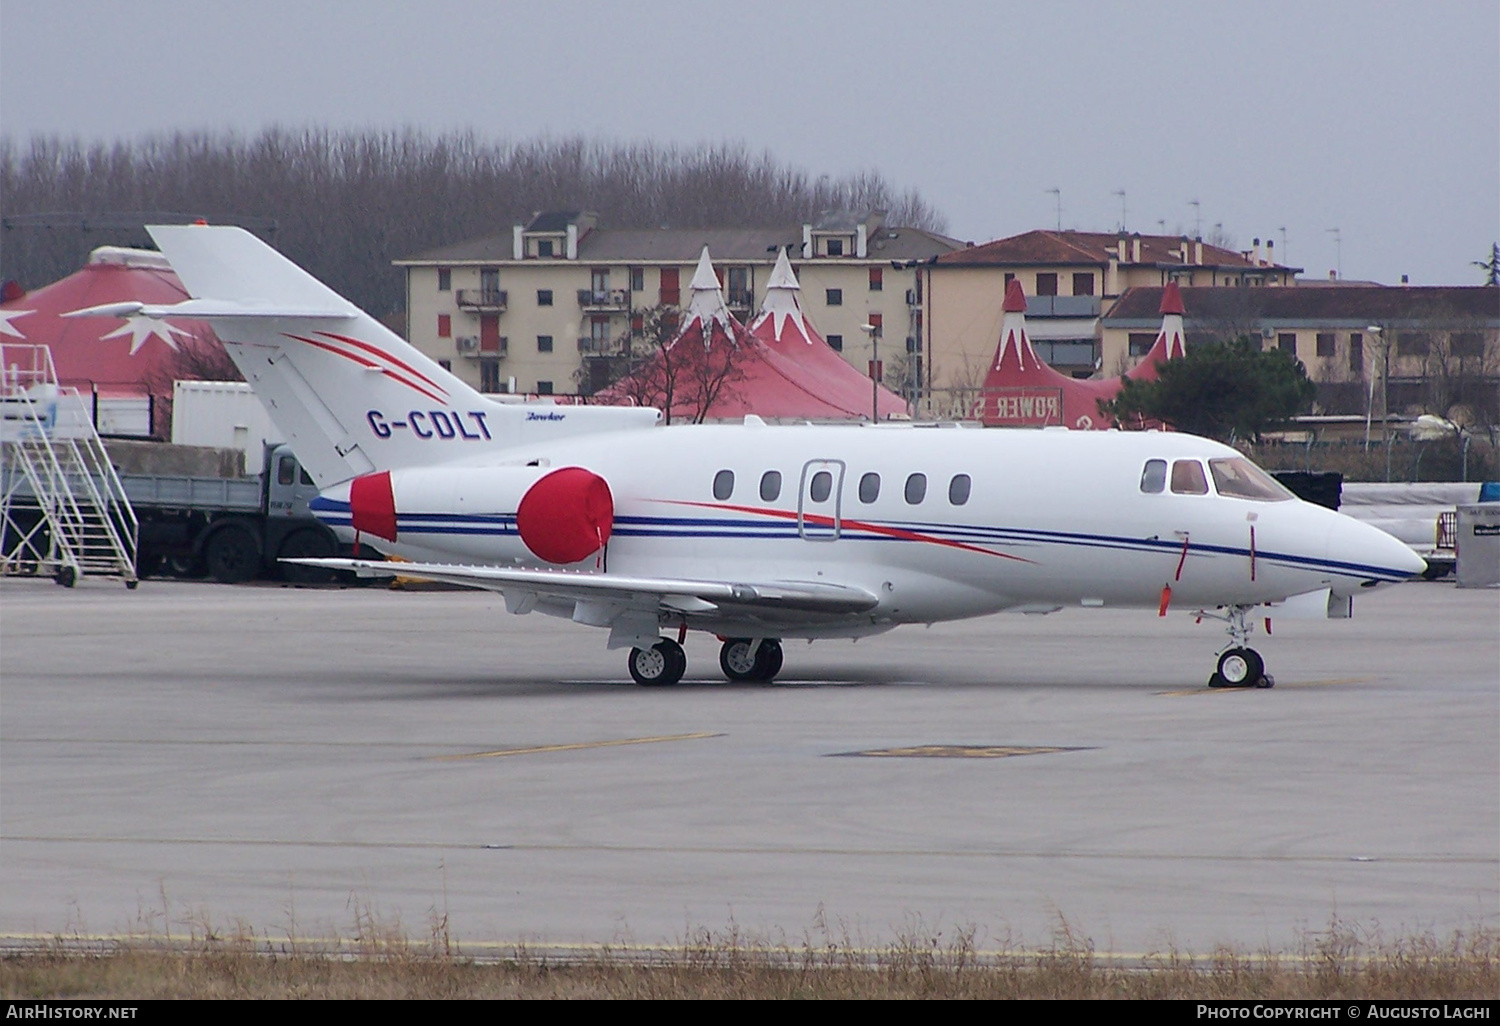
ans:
(65, 576)
(768, 660)
(188, 568)
(149, 563)
(661, 665)
(232, 556)
(737, 660)
(307, 543)
(1240, 668)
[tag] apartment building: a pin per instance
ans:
(551, 307)
(1402, 349)
(1069, 278)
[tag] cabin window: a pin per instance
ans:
(770, 486)
(958, 489)
(1154, 477)
(1188, 478)
(916, 488)
(869, 488)
(1238, 478)
(820, 487)
(723, 484)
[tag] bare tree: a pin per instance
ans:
(684, 377)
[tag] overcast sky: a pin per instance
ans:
(1284, 120)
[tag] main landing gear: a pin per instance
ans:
(741, 659)
(1239, 665)
(756, 659)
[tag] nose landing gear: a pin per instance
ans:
(1239, 665)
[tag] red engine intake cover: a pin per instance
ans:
(566, 516)
(372, 505)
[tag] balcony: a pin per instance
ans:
(474, 346)
(604, 300)
(490, 300)
(741, 299)
(590, 346)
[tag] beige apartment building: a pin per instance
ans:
(1069, 278)
(1380, 348)
(553, 306)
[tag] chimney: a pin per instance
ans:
(517, 243)
(862, 242)
(1135, 248)
(1270, 252)
(1198, 252)
(1257, 260)
(1333, 275)
(572, 241)
(807, 242)
(1406, 279)
(1124, 256)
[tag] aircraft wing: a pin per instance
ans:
(620, 590)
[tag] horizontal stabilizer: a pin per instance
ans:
(208, 309)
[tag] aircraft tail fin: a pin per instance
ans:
(350, 396)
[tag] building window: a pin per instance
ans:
(544, 247)
(877, 321)
(489, 279)
(1046, 283)
(1287, 342)
(1141, 342)
(835, 247)
(1466, 343)
(489, 375)
(637, 279)
(445, 326)
(1357, 353)
(1083, 284)
(544, 388)
(877, 279)
(445, 280)
(835, 297)
(1326, 346)
(1413, 343)
(447, 365)
(836, 343)
(544, 343)
(1010, 276)
(543, 297)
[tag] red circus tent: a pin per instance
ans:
(716, 369)
(101, 355)
(1021, 390)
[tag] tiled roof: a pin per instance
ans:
(1371, 304)
(1092, 248)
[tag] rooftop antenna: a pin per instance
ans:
(1161, 225)
(1121, 193)
(1338, 244)
(1282, 230)
(1057, 194)
(1197, 218)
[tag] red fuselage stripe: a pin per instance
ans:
(860, 525)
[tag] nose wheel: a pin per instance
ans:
(744, 659)
(1239, 665)
(662, 664)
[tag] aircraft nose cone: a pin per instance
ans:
(1370, 555)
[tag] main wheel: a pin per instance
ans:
(307, 543)
(768, 660)
(1240, 668)
(739, 659)
(663, 663)
(232, 556)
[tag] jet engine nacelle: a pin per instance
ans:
(559, 515)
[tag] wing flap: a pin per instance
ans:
(668, 592)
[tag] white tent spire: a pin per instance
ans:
(781, 304)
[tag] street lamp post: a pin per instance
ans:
(875, 375)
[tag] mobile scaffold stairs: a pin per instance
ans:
(63, 511)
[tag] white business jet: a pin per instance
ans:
(751, 532)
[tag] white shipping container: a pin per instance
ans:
(225, 414)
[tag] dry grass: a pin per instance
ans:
(380, 961)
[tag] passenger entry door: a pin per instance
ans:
(820, 496)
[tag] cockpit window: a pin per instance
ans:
(1188, 479)
(1154, 477)
(1238, 478)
